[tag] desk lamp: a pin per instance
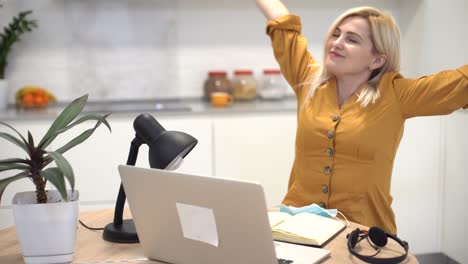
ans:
(166, 151)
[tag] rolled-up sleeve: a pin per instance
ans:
(437, 94)
(290, 49)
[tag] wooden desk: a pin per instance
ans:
(90, 248)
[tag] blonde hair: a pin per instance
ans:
(385, 37)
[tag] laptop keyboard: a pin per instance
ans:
(284, 261)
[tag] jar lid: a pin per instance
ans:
(243, 72)
(217, 73)
(271, 71)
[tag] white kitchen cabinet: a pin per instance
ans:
(95, 161)
(258, 148)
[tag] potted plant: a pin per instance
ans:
(11, 34)
(46, 220)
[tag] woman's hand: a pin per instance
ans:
(274, 209)
(272, 9)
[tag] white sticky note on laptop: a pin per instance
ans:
(198, 223)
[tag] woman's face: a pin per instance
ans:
(349, 51)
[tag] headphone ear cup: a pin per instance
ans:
(354, 236)
(378, 236)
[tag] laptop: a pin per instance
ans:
(182, 218)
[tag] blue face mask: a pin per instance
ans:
(312, 209)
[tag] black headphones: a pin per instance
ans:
(378, 239)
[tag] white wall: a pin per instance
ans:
(149, 48)
(109, 49)
(415, 185)
(455, 182)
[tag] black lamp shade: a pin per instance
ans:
(147, 128)
(168, 146)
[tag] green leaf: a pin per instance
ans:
(13, 166)
(5, 161)
(30, 139)
(25, 13)
(4, 183)
(67, 116)
(14, 140)
(13, 26)
(12, 128)
(76, 141)
(99, 118)
(55, 176)
(79, 139)
(65, 167)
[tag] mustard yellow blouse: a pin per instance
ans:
(344, 156)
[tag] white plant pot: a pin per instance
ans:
(46, 232)
(3, 94)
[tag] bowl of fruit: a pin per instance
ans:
(33, 97)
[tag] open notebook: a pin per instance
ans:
(304, 228)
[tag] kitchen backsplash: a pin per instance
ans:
(127, 49)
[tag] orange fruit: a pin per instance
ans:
(45, 101)
(28, 100)
(40, 101)
(39, 92)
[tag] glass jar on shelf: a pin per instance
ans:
(244, 85)
(216, 82)
(273, 85)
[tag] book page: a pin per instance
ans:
(276, 218)
(310, 226)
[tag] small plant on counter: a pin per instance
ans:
(11, 34)
(34, 166)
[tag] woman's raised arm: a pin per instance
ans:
(272, 9)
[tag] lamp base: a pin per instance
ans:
(125, 233)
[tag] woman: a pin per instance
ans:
(352, 109)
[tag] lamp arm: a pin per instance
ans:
(131, 160)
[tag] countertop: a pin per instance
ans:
(184, 106)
